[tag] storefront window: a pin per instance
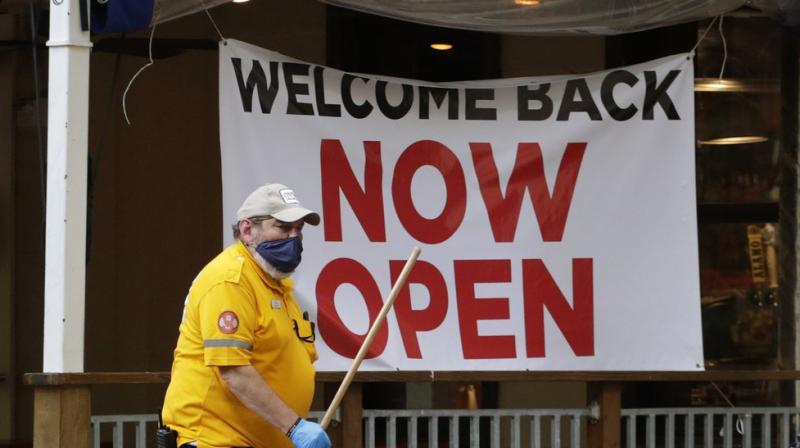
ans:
(738, 132)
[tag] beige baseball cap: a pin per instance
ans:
(278, 201)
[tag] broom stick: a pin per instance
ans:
(362, 352)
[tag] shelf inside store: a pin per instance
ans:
(733, 212)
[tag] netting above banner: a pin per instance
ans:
(545, 16)
(565, 16)
(498, 16)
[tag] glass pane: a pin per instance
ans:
(738, 116)
(738, 132)
(738, 276)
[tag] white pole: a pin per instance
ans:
(67, 153)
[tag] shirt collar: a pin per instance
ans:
(280, 285)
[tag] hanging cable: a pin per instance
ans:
(724, 47)
(125, 95)
(739, 421)
(39, 126)
(721, 18)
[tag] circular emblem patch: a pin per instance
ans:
(228, 322)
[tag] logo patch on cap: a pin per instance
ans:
(228, 322)
(288, 196)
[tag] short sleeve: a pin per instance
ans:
(228, 322)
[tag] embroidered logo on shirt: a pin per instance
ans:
(228, 322)
(276, 304)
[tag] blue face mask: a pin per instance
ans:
(284, 254)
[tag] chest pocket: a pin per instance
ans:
(289, 322)
(275, 327)
(306, 332)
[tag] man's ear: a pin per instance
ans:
(245, 228)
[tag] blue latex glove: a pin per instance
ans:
(309, 435)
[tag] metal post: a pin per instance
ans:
(67, 141)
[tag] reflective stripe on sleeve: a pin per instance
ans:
(235, 343)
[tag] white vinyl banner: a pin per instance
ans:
(556, 216)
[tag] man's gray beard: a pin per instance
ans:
(267, 267)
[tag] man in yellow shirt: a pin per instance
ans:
(242, 374)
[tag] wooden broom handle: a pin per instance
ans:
(362, 352)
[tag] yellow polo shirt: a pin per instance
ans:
(235, 315)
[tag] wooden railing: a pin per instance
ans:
(62, 408)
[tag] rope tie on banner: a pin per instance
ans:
(703, 36)
(724, 42)
(130, 83)
(214, 23)
(221, 37)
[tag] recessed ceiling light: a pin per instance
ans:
(527, 2)
(240, 1)
(441, 46)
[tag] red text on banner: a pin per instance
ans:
(551, 209)
(540, 293)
